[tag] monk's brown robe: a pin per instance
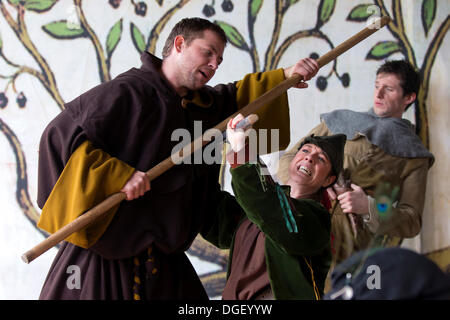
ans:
(91, 149)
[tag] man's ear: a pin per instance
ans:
(409, 98)
(329, 181)
(178, 43)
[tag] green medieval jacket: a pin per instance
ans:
(294, 260)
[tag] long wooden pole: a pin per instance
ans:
(96, 212)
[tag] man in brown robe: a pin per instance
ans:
(105, 140)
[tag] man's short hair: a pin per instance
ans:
(408, 75)
(191, 29)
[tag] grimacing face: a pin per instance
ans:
(311, 167)
(389, 99)
(198, 61)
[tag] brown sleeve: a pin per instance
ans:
(406, 218)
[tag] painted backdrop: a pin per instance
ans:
(52, 51)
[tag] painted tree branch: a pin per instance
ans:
(401, 34)
(100, 53)
(279, 14)
(294, 37)
(433, 50)
(31, 71)
(156, 31)
(430, 56)
(22, 195)
(46, 76)
(273, 59)
(397, 28)
(9, 62)
(253, 50)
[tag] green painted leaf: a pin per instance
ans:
(326, 8)
(428, 14)
(255, 6)
(233, 35)
(64, 30)
(35, 5)
(383, 50)
(138, 38)
(113, 37)
(360, 13)
(1, 43)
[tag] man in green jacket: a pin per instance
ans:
(279, 237)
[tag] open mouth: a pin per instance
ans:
(203, 74)
(305, 170)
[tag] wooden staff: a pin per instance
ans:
(97, 212)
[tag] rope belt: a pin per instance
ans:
(150, 259)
